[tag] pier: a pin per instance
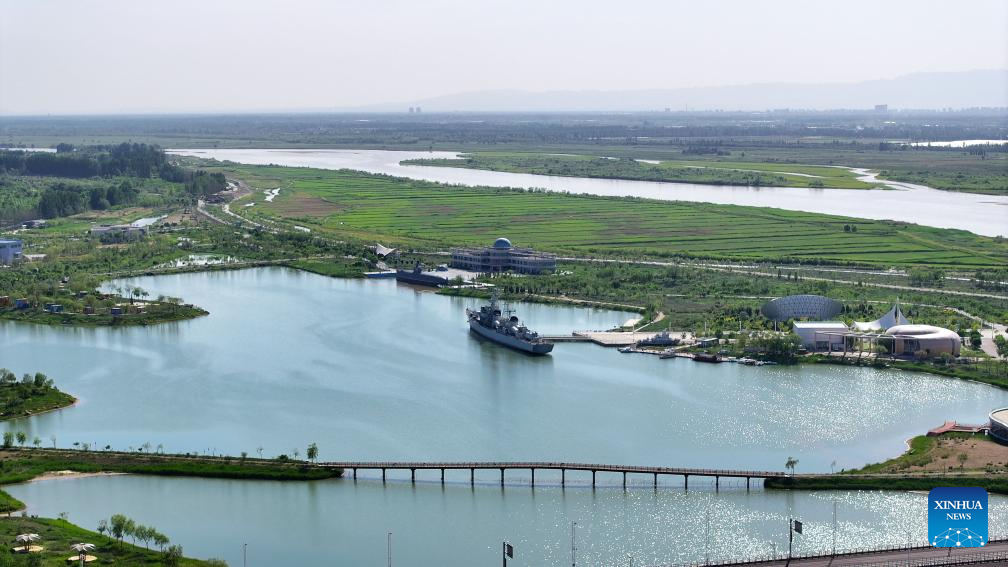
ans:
(533, 466)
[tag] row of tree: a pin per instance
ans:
(132, 160)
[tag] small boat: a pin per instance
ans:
(704, 357)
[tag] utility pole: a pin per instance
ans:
(573, 545)
(834, 528)
(707, 540)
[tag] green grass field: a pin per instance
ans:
(730, 172)
(56, 537)
(415, 213)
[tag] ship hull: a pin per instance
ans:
(509, 341)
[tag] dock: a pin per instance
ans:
(603, 338)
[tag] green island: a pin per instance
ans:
(721, 172)
(950, 459)
(31, 395)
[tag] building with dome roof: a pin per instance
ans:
(502, 257)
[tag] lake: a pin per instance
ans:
(981, 214)
(370, 369)
(339, 522)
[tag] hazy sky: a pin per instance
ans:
(89, 56)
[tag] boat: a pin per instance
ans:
(503, 327)
(704, 357)
(668, 353)
(417, 276)
(660, 339)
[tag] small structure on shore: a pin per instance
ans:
(26, 541)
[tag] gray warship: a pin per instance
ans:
(503, 327)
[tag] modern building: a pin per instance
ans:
(501, 257)
(891, 319)
(10, 251)
(911, 340)
(821, 335)
(999, 425)
(802, 307)
(120, 231)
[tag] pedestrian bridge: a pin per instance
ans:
(533, 466)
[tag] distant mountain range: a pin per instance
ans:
(987, 88)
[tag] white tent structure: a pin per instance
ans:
(891, 319)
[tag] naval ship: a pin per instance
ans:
(505, 328)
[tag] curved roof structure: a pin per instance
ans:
(922, 332)
(801, 307)
(502, 243)
(891, 319)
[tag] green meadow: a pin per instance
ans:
(429, 215)
(708, 171)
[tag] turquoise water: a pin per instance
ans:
(368, 369)
(340, 522)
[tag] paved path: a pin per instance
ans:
(996, 553)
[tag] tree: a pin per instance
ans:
(117, 525)
(103, 526)
(8, 439)
(172, 556)
(312, 452)
(975, 339)
(144, 534)
(160, 540)
(259, 450)
(1002, 346)
(129, 529)
(37, 442)
(22, 438)
(790, 464)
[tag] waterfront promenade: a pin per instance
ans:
(995, 553)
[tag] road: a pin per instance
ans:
(994, 554)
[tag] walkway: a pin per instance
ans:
(533, 466)
(995, 553)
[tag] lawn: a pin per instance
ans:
(57, 535)
(678, 170)
(422, 214)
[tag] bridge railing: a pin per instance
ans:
(601, 467)
(961, 556)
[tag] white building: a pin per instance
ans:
(801, 307)
(821, 335)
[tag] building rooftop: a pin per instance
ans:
(820, 325)
(502, 243)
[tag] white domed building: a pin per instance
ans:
(501, 257)
(927, 340)
(999, 425)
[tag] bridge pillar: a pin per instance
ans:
(747, 484)
(412, 475)
(686, 481)
(563, 477)
(717, 483)
(624, 480)
(533, 476)
(383, 476)
(355, 473)
(593, 479)
(442, 476)
(502, 477)
(656, 480)
(472, 477)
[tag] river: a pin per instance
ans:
(982, 214)
(370, 369)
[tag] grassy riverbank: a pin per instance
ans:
(20, 465)
(402, 212)
(952, 459)
(153, 313)
(57, 535)
(745, 173)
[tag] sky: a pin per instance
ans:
(129, 56)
